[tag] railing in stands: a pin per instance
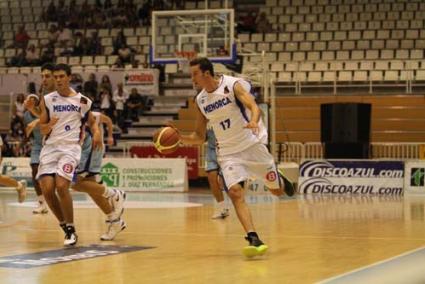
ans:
(314, 150)
(297, 152)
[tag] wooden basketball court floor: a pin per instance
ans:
(316, 238)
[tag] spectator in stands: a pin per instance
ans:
(53, 35)
(119, 41)
(120, 19)
(125, 54)
(17, 124)
(18, 108)
(21, 38)
(99, 19)
(61, 13)
(51, 12)
(76, 82)
(134, 104)
(144, 14)
(48, 55)
(94, 46)
(120, 98)
(221, 51)
(91, 87)
(118, 64)
(105, 83)
(32, 56)
(263, 25)
(18, 60)
(107, 5)
(247, 23)
(73, 21)
(65, 37)
(106, 103)
(80, 44)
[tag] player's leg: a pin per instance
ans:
(46, 178)
(116, 197)
(265, 168)
(98, 194)
(65, 200)
(20, 186)
(41, 208)
(221, 210)
(47, 184)
(96, 191)
(234, 175)
(69, 157)
(211, 167)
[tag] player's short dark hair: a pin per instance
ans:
(48, 66)
(204, 64)
(63, 67)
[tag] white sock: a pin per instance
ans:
(108, 193)
(221, 204)
(41, 199)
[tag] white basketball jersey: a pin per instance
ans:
(72, 113)
(227, 116)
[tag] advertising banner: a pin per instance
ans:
(352, 177)
(414, 180)
(190, 153)
(17, 168)
(163, 175)
(146, 81)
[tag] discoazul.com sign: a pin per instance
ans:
(351, 177)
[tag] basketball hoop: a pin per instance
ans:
(183, 58)
(189, 55)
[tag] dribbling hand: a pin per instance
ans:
(253, 126)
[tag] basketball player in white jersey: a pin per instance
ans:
(110, 201)
(63, 114)
(240, 151)
(20, 186)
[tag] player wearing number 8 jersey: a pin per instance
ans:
(63, 114)
(223, 103)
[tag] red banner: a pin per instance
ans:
(189, 152)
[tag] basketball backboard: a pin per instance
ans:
(182, 33)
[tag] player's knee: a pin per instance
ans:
(236, 192)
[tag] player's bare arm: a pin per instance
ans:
(248, 101)
(97, 139)
(31, 104)
(46, 125)
(198, 136)
(108, 121)
(30, 127)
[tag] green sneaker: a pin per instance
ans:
(289, 186)
(256, 247)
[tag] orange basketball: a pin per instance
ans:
(166, 140)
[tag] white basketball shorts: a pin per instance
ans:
(60, 159)
(254, 162)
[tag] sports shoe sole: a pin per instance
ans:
(222, 216)
(289, 186)
(44, 211)
(251, 251)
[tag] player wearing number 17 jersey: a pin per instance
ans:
(223, 103)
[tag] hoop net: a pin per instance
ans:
(184, 57)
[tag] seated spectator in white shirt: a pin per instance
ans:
(32, 56)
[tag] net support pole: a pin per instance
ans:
(272, 130)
